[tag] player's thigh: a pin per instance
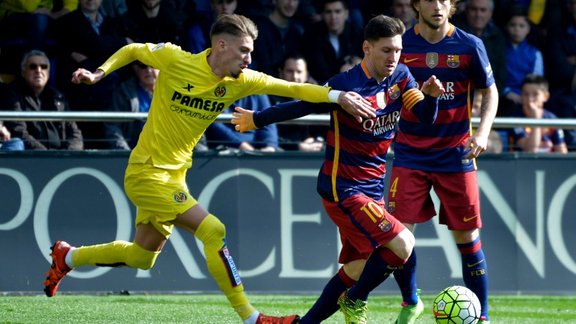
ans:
(459, 200)
(160, 195)
(364, 224)
(409, 195)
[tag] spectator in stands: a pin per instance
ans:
(154, 21)
(223, 135)
(113, 8)
(26, 25)
(478, 21)
(85, 40)
(32, 93)
(403, 10)
(349, 62)
(132, 95)
(7, 143)
(522, 58)
(560, 63)
(292, 137)
(332, 39)
(535, 93)
(280, 34)
(196, 36)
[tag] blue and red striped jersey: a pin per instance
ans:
(355, 158)
(460, 61)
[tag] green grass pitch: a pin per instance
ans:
(213, 308)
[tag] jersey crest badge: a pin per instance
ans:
(453, 61)
(220, 91)
(432, 59)
(394, 92)
(180, 196)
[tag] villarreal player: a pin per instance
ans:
(191, 91)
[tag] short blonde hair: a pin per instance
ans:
(235, 25)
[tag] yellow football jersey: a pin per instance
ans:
(188, 97)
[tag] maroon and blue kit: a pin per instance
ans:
(426, 154)
(351, 179)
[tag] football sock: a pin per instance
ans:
(405, 277)
(381, 263)
(327, 304)
(212, 233)
(252, 318)
(474, 271)
(113, 254)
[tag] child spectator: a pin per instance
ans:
(522, 58)
(535, 93)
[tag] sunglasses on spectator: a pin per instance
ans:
(35, 66)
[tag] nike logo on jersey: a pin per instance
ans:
(188, 87)
(470, 265)
(467, 219)
(406, 60)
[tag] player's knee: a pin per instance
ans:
(211, 231)
(402, 246)
(141, 258)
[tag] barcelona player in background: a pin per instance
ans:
(351, 180)
(442, 155)
(191, 91)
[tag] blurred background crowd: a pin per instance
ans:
(531, 45)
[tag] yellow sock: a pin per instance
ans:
(212, 233)
(114, 254)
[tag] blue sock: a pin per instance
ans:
(327, 304)
(475, 272)
(377, 269)
(406, 279)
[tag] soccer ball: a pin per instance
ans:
(456, 305)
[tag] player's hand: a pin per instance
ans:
(356, 105)
(476, 146)
(243, 119)
(87, 77)
(433, 87)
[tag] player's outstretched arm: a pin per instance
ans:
(356, 105)
(87, 77)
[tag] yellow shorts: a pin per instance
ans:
(159, 195)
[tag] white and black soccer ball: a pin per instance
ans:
(456, 305)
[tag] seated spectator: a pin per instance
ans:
(560, 62)
(477, 20)
(31, 92)
(113, 8)
(132, 95)
(279, 34)
(224, 136)
(85, 40)
(522, 58)
(153, 21)
(196, 36)
(7, 143)
(332, 39)
(292, 137)
(535, 93)
(26, 25)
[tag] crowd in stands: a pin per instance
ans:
(531, 45)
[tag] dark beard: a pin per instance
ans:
(432, 25)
